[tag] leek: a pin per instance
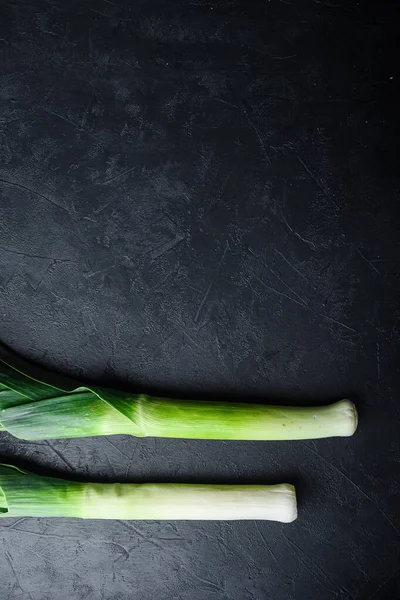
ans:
(25, 494)
(32, 409)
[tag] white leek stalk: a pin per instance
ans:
(24, 494)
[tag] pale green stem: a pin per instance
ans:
(234, 421)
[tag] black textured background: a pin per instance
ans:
(198, 198)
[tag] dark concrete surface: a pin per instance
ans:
(199, 198)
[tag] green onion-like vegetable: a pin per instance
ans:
(27, 495)
(33, 410)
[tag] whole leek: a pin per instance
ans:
(24, 494)
(33, 410)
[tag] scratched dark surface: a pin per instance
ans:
(198, 198)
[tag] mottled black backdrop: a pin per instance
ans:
(198, 198)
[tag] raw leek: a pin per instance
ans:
(24, 494)
(32, 409)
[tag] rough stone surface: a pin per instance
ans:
(199, 198)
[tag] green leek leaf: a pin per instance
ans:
(33, 409)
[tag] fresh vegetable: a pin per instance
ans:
(33, 410)
(24, 494)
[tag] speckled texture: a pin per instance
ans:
(198, 198)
